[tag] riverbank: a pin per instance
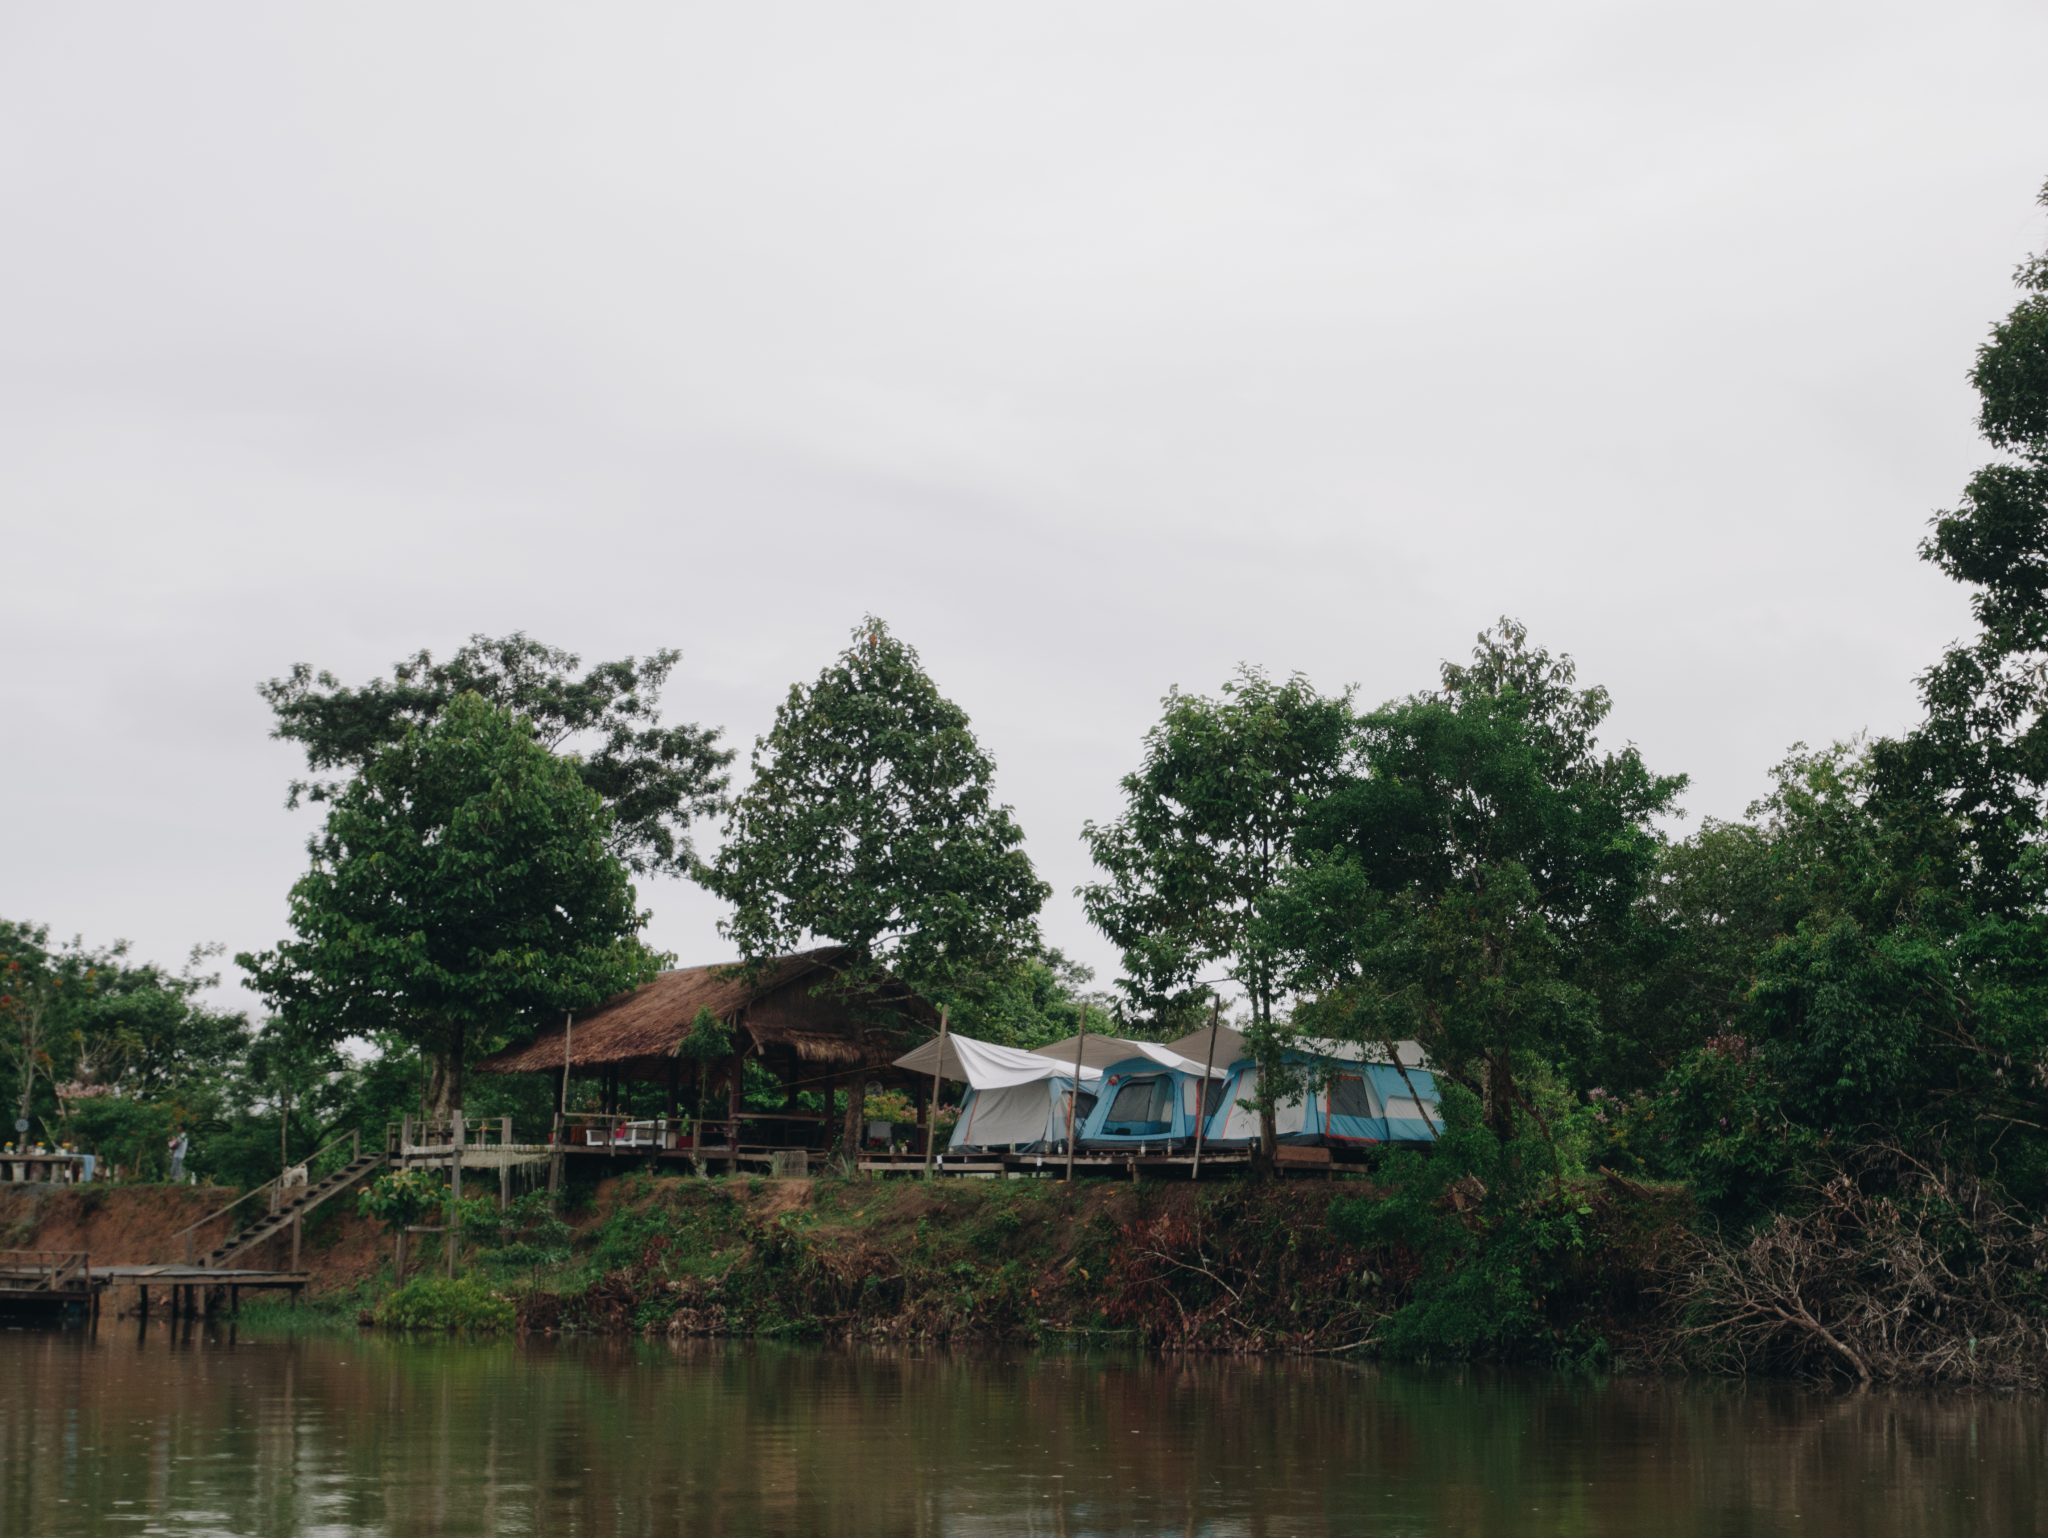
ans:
(1601, 1273)
(1239, 1267)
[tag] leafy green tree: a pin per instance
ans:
(147, 1031)
(304, 1080)
(656, 779)
(72, 1014)
(1719, 901)
(1882, 1004)
(1476, 884)
(460, 891)
(34, 979)
(1975, 773)
(1206, 839)
(871, 821)
(1027, 1002)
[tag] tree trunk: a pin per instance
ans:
(855, 1125)
(1269, 1128)
(1500, 1096)
(444, 1088)
(1269, 1074)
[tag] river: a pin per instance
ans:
(338, 1435)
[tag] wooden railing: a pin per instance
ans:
(45, 1270)
(415, 1135)
(617, 1133)
(272, 1190)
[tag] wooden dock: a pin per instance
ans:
(60, 1283)
(1288, 1159)
(1127, 1166)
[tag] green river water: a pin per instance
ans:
(332, 1435)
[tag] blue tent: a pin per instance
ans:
(1149, 1100)
(1352, 1098)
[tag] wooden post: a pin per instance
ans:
(143, 1289)
(931, 1123)
(1074, 1095)
(298, 1233)
(1202, 1099)
(454, 1189)
(504, 1163)
(568, 1030)
(735, 1096)
(398, 1261)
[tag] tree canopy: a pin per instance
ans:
(460, 891)
(871, 821)
(93, 1018)
(658, 780)
(1474, 883)
(1204, 842)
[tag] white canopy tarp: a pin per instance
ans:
(1230, 1048)
(1023, 1116)
(1100, 1052)
(984, 1065)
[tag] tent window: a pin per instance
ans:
(1207, 1099)
(1349, 1097)
(1084, 1106)
(1142, 1100)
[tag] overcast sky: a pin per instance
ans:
(1098, 347)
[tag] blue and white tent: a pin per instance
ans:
(1150, 1097)
(1356, 1094)
(1016, 1101)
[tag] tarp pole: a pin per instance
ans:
(1074, 1093)
(931, 1115)
(1202, 1097)
(568, 1028)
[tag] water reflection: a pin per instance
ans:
(370, 1436)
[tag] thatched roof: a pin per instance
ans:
(779, 1005)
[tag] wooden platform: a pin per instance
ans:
(1131, 1166)
(48, 1282)
(187, 1276)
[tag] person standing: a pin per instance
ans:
(180, 1143)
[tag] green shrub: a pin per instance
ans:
(402, 1197)
(446, 1304)
(1489, 1232)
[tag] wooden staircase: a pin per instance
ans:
(287, 1206)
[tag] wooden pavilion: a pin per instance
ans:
(791, 1014)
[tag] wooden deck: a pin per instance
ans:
(59, 1283)
(1128, 1166)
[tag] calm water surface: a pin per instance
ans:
(338, 1435)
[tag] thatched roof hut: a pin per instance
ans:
(785, 1011)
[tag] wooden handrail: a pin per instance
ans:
(271, 1186)
(50, 1269)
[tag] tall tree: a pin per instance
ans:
(606, 720)
(871, 821)
(72, 1013)
(461, 890)
(1205, 840)
(1476, 885)
(1977, 768)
